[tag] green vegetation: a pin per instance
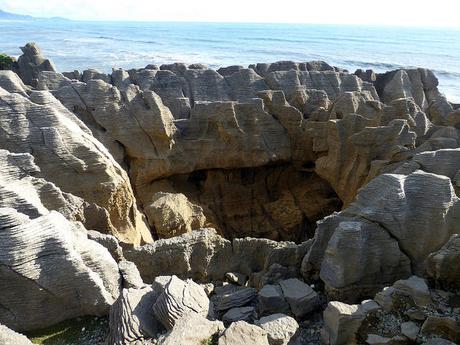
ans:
(6, 61)
(213, 340)
(80, 331)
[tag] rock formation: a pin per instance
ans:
(283, 203)
(86, 282)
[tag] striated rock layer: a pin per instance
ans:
(359, 171)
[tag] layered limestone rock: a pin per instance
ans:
(178, 299)
(419, 84)
(204, 255)
(442, 265)
(131, 316)
(23, 190)
(69, 156)
(85, 283)
(173, 215)
(386, 234)
(273, 151)
(31, 63)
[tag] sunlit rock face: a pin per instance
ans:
(360, 172)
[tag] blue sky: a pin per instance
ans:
(387, 12)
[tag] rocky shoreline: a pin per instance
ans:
(283, 203)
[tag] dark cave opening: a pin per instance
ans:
(278, 202)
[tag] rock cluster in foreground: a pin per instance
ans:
(284, 203)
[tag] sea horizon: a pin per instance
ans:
(105, 45)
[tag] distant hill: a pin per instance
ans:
(8, 15)
(13, 16)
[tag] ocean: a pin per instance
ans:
(106, 45)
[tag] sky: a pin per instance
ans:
(439, 13)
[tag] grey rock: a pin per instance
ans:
(280, 328)
(442, 264)
(247, 314)
(179, 298)
(31, 63)
(410, 330)
(204, 254)
(49, 80)
(92, 74)
(401, 225)
(360, 252)
(130, 274)
(159, 284)
(341, 323)
(443, 326)
(131, 316)
(415, 287)
(9, 81)
(31, 251)
(238, 298)
(74, 75)
(70, 157)
(10, 337)
(271, 300)
(301, 298)
(375, 339)
(242, 333)
(194, 255)
(191, 329)
(108, 241)
(226, 71)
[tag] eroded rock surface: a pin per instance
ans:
(361, 172)
(85, 283)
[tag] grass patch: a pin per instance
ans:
(213, 340)
(6, 61)
(79, 331)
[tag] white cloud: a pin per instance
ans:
(388, 12)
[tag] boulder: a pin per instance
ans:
(173, 214)
(239, 298)
(280, 328)
(242, 333)
(442, 264)
(410, 329)
(131, 316)
(247, 314)
(341, 323)
(31, 63)
(191, 329)
(445, 327)
(86, 283)
(10, 82)
(302, 299)
(10, 337)
(361, 253)
(72, 159)
(130, 274)
(416, 288)
(179, 298)
(50, 80)
(393, 213)
(271, 300)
